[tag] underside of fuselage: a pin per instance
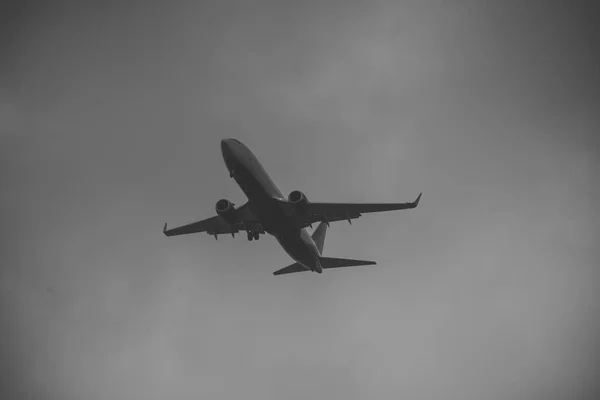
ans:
(264, 198)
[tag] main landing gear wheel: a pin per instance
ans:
(256, 236)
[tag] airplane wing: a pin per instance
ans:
(330, 212)
(217, 225)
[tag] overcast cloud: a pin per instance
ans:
(110, 120)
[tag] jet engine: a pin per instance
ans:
(298, 200)
(226, 210)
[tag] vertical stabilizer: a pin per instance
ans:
(319, 236)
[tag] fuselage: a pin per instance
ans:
(265, 199)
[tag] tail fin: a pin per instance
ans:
(330, 262)
(319, 236)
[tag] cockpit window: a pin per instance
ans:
(236, 141)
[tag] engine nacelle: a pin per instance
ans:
(226, 210)
(298, 200)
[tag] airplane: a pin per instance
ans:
(268, 211)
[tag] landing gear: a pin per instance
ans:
(253, 235)
(250, 236)
(256, 235)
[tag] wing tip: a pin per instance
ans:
(165, 229)
(416, 202)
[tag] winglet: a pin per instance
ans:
(416, 202)
(165, 229)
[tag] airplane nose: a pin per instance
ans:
(228, 155)
(226, 148)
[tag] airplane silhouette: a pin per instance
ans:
(268, 211)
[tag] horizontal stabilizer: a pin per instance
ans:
(330, 262)
(290, 269)
(326, 262)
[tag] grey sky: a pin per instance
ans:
(111, 117)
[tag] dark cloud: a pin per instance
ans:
(111, 117)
